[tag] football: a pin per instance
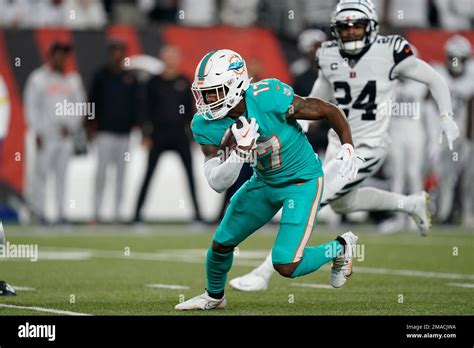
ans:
(228, 142)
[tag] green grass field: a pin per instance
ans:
(108, 270)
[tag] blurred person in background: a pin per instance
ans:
(203, 13)
(317, 13)
(45, 13)
(47, 88)
(238, 13)
(114, 92)
(404, 13)
(305, 68)
(458, 72)
(455, 14)
(166, 127)
(285, 18)
(84, 14)
(159, 10)
(11, 13)
(31, 13)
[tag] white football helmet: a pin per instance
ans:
(349, 12)
(223, 72)
(458, 51)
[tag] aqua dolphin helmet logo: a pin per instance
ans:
(236, 65)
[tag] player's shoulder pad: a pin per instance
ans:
(277, 95)
(326, 53)
(325, 47)
(398, 45)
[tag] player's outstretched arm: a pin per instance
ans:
(316, 109)
(418, 70)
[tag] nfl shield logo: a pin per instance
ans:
(352, 74)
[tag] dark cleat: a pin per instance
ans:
(6, 290)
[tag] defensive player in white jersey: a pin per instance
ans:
(458, 71)
(359, 70)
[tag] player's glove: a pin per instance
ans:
(449, 128)
(246, 136)
(349, 161)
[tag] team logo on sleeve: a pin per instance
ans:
(287, 91)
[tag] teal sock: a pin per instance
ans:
(217, 266)
(315, 257)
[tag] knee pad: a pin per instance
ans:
(281, 256)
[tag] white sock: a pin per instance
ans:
(266, 268)
(371, 199)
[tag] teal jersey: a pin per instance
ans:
(284, 154)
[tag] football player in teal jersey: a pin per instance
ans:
(288, 175)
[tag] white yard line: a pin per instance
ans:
(168, 286)
(314, 286)
(462, 285)
(412, 273)
(23, 288)
(42, 309)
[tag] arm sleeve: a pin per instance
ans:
(418, 70)
(4, 108)
(222, 175)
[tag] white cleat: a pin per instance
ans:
(341, 268)
(202, 302)
(249, 282)
(421, 215)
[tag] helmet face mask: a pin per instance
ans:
(222, 74)
(351, 13)
(210, 110)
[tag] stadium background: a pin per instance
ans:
(24, 49)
